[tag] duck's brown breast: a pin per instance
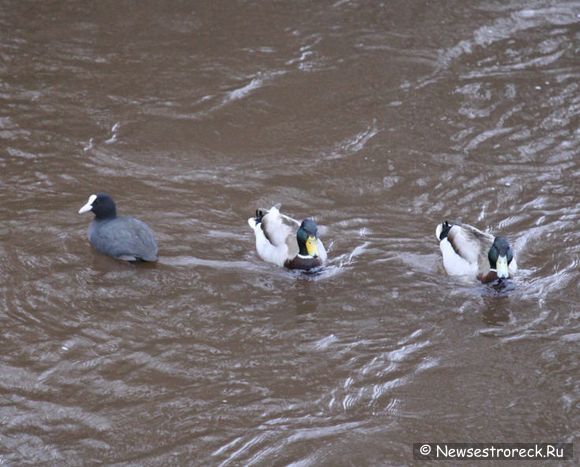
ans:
(302, 263)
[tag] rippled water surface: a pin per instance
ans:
(380, 119)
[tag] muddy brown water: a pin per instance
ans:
(378, 118)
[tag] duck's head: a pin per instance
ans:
(500, 256)
(307, 237)
(102, 206)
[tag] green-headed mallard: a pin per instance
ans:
(468, 251)
(285, 241)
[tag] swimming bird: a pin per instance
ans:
(287, 242)
(124, 238)
(468, 251)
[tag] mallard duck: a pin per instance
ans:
(468, 251)
(124, 238)
(287, 242)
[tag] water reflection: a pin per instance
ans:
(496, 310)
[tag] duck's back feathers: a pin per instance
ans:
(470, 243)
(464, 248)
(280, 230)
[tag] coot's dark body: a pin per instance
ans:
(124, 238)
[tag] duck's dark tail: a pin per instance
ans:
(259, 215)
(443, 229)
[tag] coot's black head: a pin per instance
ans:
(307, 237)
(500, 256)
(102, 205)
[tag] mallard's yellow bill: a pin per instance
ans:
(311, 246)
(502, 267)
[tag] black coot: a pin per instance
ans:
(123, 238)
